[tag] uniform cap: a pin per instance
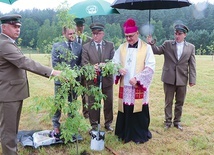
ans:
(79, 21)
(97, 26)
(11, 19)
(181, 27)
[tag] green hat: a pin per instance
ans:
(181, 27)
(97, 26)
(79, 21)
(13, 19)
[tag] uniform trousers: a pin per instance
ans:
(94, 115)
(84, 99)
(10, 113)
(171, 92)
(57, 115)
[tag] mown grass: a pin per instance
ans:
(198, 118)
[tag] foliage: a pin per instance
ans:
(197, 138)
(70, 83)
(42, 26)
(46, 35)
(30, 36)
(211, 49)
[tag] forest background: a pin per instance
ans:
(40, 27)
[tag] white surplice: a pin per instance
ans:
(144, 77)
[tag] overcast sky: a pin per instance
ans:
(43, 4)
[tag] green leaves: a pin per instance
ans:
(70, 85)
(88, 72)
(109, 68)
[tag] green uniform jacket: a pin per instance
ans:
(177, 72)
(13, 66)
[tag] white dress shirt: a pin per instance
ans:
(180, 47)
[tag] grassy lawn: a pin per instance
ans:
(198, 118)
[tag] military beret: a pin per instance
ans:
(79, 21)
(13, 19)
(181, 27)
(97, 26)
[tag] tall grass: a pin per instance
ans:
(197, 138)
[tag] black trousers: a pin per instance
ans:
(94, 115)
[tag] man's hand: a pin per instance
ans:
(150, 40)
(102, 64)
(96, 67)
(191, 84)
(122, 71)
(56, 73)
(133, 81)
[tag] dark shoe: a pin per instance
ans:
(109, 128)
(178, 126)
(166, 127)
(86, 116)
(93, 129)
(90, 131)
(55, 135)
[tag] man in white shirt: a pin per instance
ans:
(96, 52)
(179, 69)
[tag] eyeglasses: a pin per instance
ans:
(96, 34)
(72, 33)
(130, 36)
(179, 33)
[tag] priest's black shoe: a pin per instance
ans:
(109, 128)
(178, 126)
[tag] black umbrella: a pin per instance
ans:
(149, 4)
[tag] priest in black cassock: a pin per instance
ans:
(135, 75)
